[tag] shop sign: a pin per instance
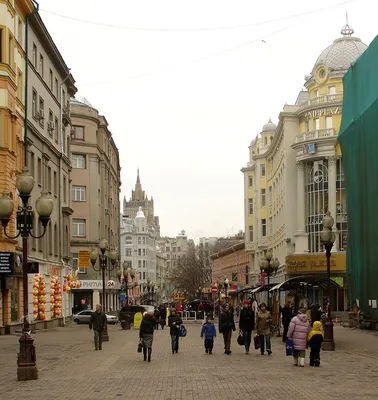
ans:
(33, 268)
(83, 259)
(323, 111)
(339, 280)
(91, 284)
(6, 263)
(315, 262)
(110, 284)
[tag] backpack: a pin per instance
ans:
(182, 331)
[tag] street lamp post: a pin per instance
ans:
(328, 238)
(103, 266)
(26, 360)
(269, 265)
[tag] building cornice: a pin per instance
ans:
(229, 250)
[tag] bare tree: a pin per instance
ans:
(189, 275)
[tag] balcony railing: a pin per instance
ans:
(320, 133)
(328, 98)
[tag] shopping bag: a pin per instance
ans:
(240, 339)
(140, 346)
(256, 341)
(289, 347)
(182, 331)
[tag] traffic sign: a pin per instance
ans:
(84, 259)
(214, 289)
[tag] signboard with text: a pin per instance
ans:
(84, 259)
(6, 263)
(315, 262)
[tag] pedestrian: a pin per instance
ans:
(226, 326)
(200, 310)
(163, 316)
(298, 330)
(316, 313)
(286, 318)
(247, 324)
(264, 321)
(174, 322)
(146, 334)
(208, 330)
(314, 341)
(98, 322)
(157, 317)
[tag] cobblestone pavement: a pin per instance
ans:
(70, 369)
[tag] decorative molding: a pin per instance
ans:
(300, 165)
(331, 161)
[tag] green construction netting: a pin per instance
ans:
(359, 145)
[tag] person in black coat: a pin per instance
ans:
(174, 322)
(247, 324)
(163, 316)
(287, 315)
(146, 334)
(316, 314)
(226, 326)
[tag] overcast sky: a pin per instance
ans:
(184, 102)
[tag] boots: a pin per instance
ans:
(149, 354)
(144, 354)
(301, 361)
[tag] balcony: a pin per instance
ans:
(320, 100)
(262, 243)
(313, 135)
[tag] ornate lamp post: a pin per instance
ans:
(269, 265)
(103, 266)
(327, 238)
(26, 361)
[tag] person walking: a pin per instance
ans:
(286, 318)
(208, 330)
(226, 326)
(157, 317)
(298, 330)
(314, 341)
(163, 316)
(247, 324)
(98, 322)
(264, 320)
(316, 313)
(174, 322)
(146, 334)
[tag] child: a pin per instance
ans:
(208, 329)
(315, 340)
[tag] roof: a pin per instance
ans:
(304, 280)
(269, 126)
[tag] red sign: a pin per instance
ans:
(214, 289)
(262, 279)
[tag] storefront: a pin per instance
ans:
(316, 264)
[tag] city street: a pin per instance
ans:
(70, 369)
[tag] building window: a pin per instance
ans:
(51, 126)
(144, 263)
(270, 226)
(64, 189)
(78, 161)
(329, 122)
(41, 65)
(56, 131)
(316, 93)
(139, 263)
(20, 85)
(251, 233)
(39, 171)
(331, 90)
(250, 181)
(263, 199)
(34, 55)
(41, 111)
(262, 169)
(49, 179)
(128, 252)
(55, 183)
(316, 124)
(31, 164)
(250, 206)
(144, 240)
(78, 227)
(139, 240)
(20, 31)
(78, 132)
(78, 193)
(129, 240)
(144, 276)
(139, 252)
(56, 240)
(263, 227)
(11, 51)
(56, 88)
(144, 252)
(51, 80)
(34, 103)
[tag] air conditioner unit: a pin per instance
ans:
(41, 114)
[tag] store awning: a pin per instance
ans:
(304, 280)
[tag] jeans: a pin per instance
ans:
(98, 339)
(209, 344)
(247, 335)
(262, 343)
(227, 341)
(175, 342)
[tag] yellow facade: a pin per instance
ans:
(12, 100)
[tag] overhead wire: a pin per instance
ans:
(133, 28)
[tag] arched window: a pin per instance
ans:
(129, 240)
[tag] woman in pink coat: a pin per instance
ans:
(298, 330)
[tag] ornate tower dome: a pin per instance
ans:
(269, 126)
(341, 53)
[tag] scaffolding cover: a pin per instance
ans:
(359, 145)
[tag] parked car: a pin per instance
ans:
(130, 311)
(84, 316)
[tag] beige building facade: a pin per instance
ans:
(94, 191)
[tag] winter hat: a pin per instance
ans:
(262, 305)
(245, 302)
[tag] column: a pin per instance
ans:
(332, 196)
(301, 237)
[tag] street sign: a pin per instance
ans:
(6, 263)
(84, 259)
(214, 289)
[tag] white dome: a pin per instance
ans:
(253, 141)
(269, 126)
(342, 52)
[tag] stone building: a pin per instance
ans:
(94, 191)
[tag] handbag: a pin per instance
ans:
(289, 347)
(240, 339)
(256, 341)
(182, 331)
(140, 346)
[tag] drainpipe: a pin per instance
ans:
(36, 8)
